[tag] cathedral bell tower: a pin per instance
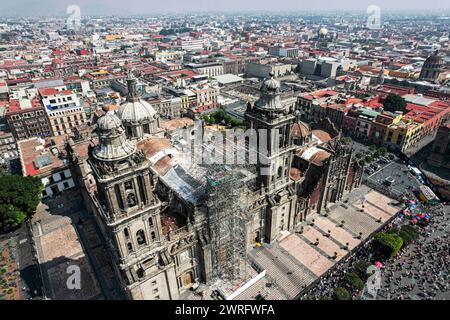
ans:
(272, 124)
(128, 210)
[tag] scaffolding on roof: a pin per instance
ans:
(228, 214)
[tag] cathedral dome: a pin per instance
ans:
(109, 121)
(300, 130)
(136, 111)
(272, 84)
(323, 31)
(113, 144)
(432, 68)
(270, 95)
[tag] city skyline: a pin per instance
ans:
(52, 7)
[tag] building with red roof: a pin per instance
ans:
(27, 118)
(44, 158)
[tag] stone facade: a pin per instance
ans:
(164, 220)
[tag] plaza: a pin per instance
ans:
(299, 259)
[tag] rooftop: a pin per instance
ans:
(39, 156)
(46, 92)
(16, 105)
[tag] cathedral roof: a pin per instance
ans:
(157, 150)
(136, 111)
(435, 58)
(109, 120)
(322, 135)
(296, 174)
(113, 144)
(300, 130)
(320, 157)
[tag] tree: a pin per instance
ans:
(376, 154)
(408, 234)
(10, 216)
(394, 103)
(361, 269)
(221, 117)
(19, 197)
(383, 151)
(341, 294)
(354, 281)
(388, 244)
(346, 140)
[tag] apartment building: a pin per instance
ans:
(63, 109)
(27, 118)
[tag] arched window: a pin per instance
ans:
(153, 234)
(131, 200)
(129, 131)
(146, 128)
(150, 222)
(280, 172)
(140, 237)
(130, 247)
(126, 233)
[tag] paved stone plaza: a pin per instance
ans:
(58, 246)
(302, 257)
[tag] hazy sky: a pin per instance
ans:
(39, 7)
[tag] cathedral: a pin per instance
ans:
(174, 225)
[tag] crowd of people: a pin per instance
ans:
(419, 271)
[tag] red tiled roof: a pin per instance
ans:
(14, 105)
(52, 92)
(32, 148)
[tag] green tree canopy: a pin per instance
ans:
(19, 197)
(388, 244)
(361, 268)
(394, 103)
(341, 294)
(221, 117)
(10, 216)
(346, 140)
(383, 151)
(408, 234)
(354, 281)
